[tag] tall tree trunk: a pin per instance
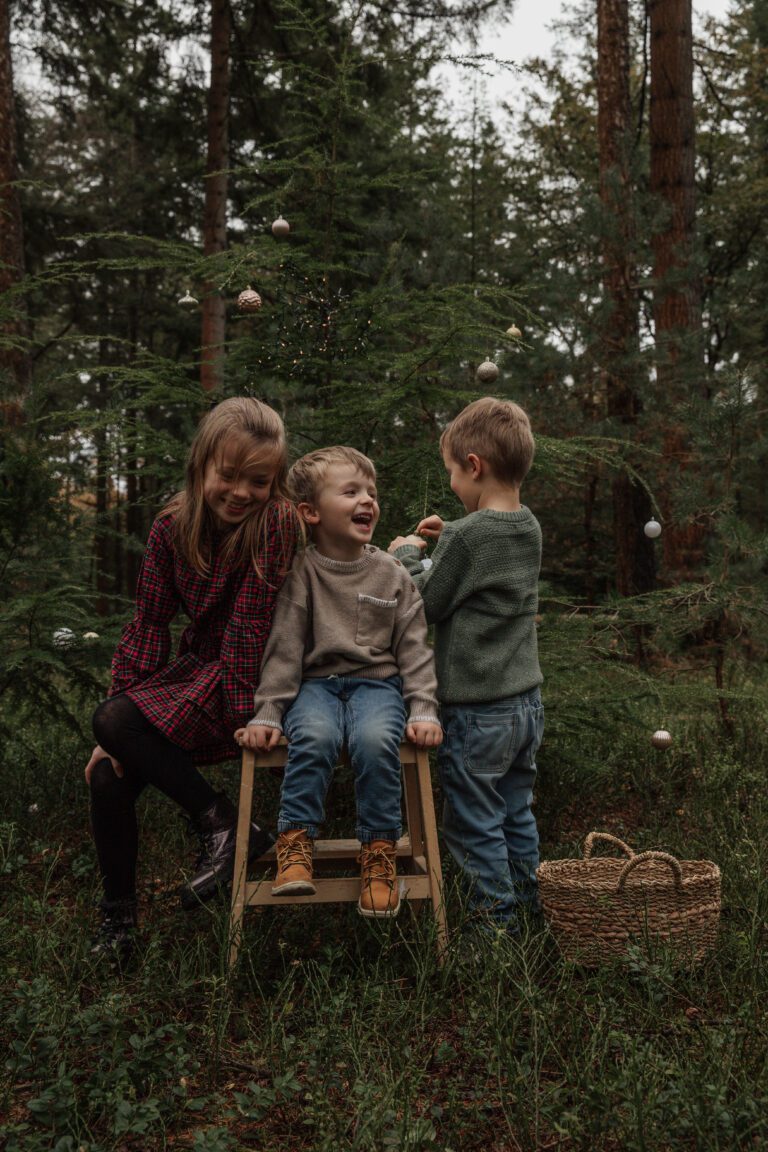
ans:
(102, 542)
(215, 214)
(635, 567)
(677, 293)
(677, 296)
(14, 359)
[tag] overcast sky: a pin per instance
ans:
(528, 33)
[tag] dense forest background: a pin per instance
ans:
(604, 241)
(600, 243)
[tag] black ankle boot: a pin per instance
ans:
(115, 938)
(217, 828)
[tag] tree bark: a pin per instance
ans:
(677, 291)
(677, 296)
(14, 358)
(215, 212)
(635, 566)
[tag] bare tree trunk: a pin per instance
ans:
(677, 296)
(635, 567)
(677, 292)
(215, 214)
(102, 549)
(14, 359)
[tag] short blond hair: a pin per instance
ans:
(306, 476)
(498, 431)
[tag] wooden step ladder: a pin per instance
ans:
(418, 855)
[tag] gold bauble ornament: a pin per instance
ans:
(487, 372)
(280, 227)
(514, 332)
(187, 300)
(248, 300)
(661, 738)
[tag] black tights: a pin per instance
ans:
(147, 757)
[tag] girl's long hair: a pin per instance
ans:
(254, 427)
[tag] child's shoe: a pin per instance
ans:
(115, 938)
(294, 864)
(379, 893)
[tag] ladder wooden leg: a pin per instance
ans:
(240, 875)
(431, 849)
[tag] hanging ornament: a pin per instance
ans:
(661, 738)
(487, 372)
(89, 637)
(63, 638)
(187, 301)
(514, 332)
(280, 227)
(652, 529)
(248, 300)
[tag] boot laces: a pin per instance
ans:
(293, 851)
(379, 864)
(204, 840)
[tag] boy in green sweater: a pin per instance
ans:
(481, 593)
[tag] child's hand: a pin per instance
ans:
(99, 754)
(399, 541)
(423, 734)
(430, 526)
(258, 737)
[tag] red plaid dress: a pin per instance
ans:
(199, 697)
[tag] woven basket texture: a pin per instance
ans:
(596, 907)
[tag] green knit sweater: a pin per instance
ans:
(481, 593)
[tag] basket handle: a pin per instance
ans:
(672, 861)
(589, 844)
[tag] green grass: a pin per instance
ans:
(337, 1033)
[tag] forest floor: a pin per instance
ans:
(337, 1033)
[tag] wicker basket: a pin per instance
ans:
(596, 907)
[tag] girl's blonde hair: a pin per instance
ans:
(256, 430)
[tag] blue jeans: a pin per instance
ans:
(487, 766)
(369, 717)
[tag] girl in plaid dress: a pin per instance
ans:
(219, 552)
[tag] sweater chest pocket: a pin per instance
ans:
(375, 622)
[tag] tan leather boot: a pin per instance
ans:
(294, 864)
(379, 893)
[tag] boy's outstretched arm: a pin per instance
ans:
(430, 526)
(413, 541)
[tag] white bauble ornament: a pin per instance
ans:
(661, 738)
(280, 227)
(248, 300)
(652, 529)
(426, 563)
(63, 638)
(487, 372)
(187, 301)
(89, 637)
(514, 332)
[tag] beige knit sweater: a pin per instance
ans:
(362, 618)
